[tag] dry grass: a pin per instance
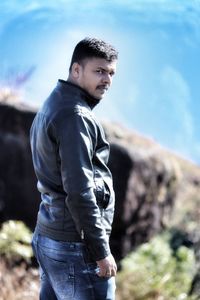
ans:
(18, 282)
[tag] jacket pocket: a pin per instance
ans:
(102, 193)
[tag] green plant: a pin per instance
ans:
(15, 239)
(153, 272)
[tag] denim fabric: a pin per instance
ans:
(68, 273)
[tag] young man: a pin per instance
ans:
(70, 155)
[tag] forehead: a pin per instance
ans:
(101, 63)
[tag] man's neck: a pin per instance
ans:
(92, 101)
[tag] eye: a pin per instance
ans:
(99, 71)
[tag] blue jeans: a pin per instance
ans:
(68, 273)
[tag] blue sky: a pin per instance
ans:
(156, 89)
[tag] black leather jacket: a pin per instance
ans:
(70, 156)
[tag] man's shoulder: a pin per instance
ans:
(61, 106)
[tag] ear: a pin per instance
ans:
(76, 69)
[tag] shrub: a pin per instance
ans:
(153, 272)
(15, 239)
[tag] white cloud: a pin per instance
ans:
(177, 95)
(184, 14)
(155, 10)
(164, 9)
(158, 12)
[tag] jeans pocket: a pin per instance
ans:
(59, 269)
(92, 268)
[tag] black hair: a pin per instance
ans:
(92, 47)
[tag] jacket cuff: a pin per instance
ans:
(99, 252)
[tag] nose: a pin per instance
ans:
(107, 78)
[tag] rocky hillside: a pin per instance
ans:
(155, 188)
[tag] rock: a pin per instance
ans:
(145, 187)
(19, 199)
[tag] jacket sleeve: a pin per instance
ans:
(77, 138)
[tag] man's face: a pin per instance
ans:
(95, 76)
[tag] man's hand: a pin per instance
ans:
(107, 266)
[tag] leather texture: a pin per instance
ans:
(70, 156)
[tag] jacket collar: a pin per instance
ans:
(91, 101)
